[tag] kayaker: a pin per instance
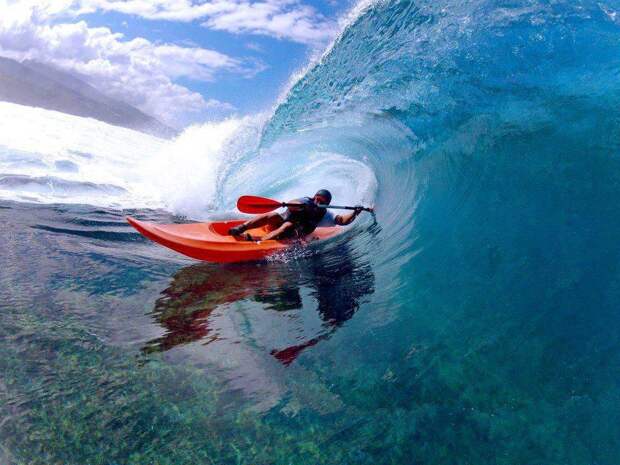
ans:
(296, 221)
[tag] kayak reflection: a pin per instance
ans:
(305, 300)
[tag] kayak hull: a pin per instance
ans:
(211, 241)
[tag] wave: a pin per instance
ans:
(414, 107)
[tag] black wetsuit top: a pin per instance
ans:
(307, 219)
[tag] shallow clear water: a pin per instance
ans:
(475, 321)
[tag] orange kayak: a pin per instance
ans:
(211, 241)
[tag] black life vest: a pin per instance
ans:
(307, 218)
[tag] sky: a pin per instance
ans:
(182, 61)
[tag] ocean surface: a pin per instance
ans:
(475, 320)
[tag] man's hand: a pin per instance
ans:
(359, 209)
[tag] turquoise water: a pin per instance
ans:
(475, 322)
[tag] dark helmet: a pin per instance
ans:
(325, 194)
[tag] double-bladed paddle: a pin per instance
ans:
(254, 204)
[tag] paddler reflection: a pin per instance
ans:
(280, 307)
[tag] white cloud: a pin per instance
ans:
(282, 19)
(136, 71)
(171, 10)
(279, 19)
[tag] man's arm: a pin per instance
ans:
(343, 220)
(276, 232)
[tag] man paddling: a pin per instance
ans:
(297, 221)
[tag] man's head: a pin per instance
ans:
(322, 197)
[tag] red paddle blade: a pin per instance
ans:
(254, 204)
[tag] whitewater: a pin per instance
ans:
(473, 320)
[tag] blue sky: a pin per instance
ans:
(183, 61)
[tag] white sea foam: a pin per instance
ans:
(188, 173)
(59, 151)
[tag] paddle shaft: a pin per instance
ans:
(338, 207)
